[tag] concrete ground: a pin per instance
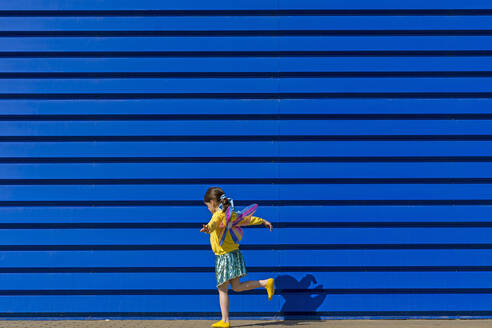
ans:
(472, 323)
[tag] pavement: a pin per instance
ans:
(409, 323)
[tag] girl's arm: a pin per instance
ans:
(212, 224)
(254, 220)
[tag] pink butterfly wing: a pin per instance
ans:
(246, 213)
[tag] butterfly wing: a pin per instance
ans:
(234, 228)
(228, 219)
(237, 234)
(245, 213)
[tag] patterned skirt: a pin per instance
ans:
(229, 266)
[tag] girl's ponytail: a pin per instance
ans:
(224, 201)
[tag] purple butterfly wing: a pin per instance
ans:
(237, 234)
(228, 219)
(247, 211)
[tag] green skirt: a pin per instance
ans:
(229, 266)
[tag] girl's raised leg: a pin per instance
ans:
(268, 284)
(239, 286)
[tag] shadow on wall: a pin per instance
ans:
(299, 305)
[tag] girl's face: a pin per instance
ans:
(212, 206)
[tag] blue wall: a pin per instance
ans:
(362, 128)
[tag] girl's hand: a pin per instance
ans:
(205, 229)
(267, 224)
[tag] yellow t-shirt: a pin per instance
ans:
(228, 245)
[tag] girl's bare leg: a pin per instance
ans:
(239, 286)
(224, 301)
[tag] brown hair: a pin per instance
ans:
(214, 193)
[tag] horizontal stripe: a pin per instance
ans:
(244, 23)
(248, 117)
(257, 87)
(273, 269)
(307, 129)
(479, 150)
(44, 173)
(275, 12)
(255, 44)
(279, 291)
(159, 181)
(275, 315)
(306, 53)
(243, 247)
(134, 75)
(476, 259)
(228, 33)
(278, 215)
(231, 95)
(281, 195)
(286, 66)
(266, 194)
(281, 239)
(283, 159)
(206, 280)
(201, 138)
(340, 302)
(193, 225)
(105, 5)
(361, 202)
(201, 107)
(269, 66)
(278, 225)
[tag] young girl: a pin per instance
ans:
(229, 263)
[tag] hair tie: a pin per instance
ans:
(229, 199)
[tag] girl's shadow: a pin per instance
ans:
(299, 305)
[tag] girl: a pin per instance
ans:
(229, 263)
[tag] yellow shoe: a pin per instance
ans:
(221, 324)
(270, 287)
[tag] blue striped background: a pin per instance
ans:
(362, 128)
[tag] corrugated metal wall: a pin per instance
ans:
(362, 128)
